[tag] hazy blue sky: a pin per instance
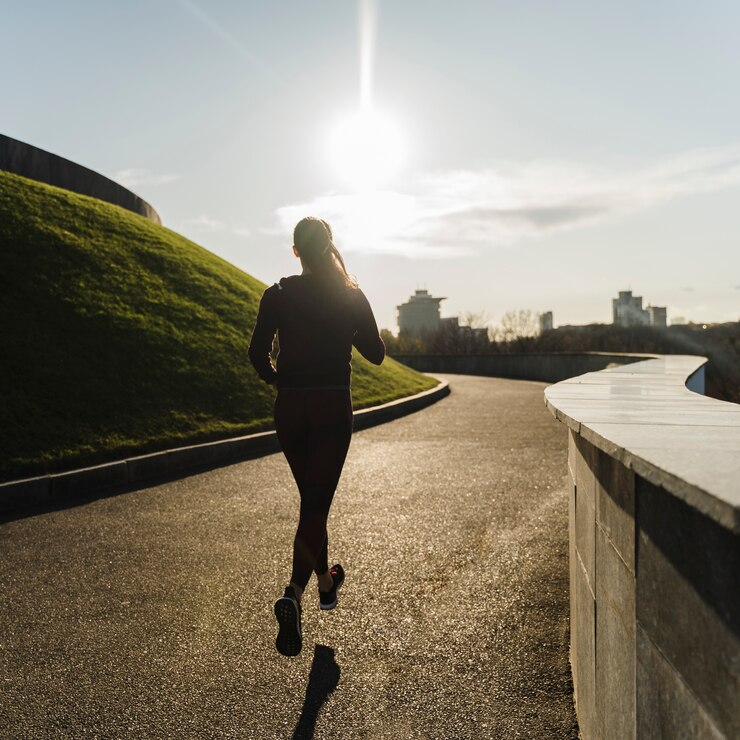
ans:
(554, 152)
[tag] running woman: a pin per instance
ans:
(317, 316)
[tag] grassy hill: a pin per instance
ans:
(121, 337)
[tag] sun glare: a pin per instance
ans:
(366, 149)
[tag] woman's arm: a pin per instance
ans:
(367, 339)
(263, 334)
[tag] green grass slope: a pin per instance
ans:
(121, 337)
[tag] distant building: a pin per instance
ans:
(465, 333)
(476, 335)
(545, 321)
(627, 310)
(419, 314)
(657, 315)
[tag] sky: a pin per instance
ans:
(505, 155)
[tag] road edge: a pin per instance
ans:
(122, 475)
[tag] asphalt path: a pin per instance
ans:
(149, 614)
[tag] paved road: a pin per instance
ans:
(150, 614)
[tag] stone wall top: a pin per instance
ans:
(643, 415)
(37, 164)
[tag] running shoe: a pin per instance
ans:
(288, 614)
(328, 599)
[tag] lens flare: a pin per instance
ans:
(366, 149)
(367, 15)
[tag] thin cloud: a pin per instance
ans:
(498, 226)
(371, 222)
(207, 224)
(132, 177)
(203, 223)
(466, 211)
(276, 231)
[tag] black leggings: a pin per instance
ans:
(314, 427)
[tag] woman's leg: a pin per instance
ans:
(292, 432)
(321, 566)
(316, 449)
(310, 544)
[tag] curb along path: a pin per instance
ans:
(180, 461)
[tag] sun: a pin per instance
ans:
(366, 149)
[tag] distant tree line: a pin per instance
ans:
(473, 335)
(519, 332)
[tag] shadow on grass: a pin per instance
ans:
(322, 680)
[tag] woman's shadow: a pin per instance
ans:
(322, 680)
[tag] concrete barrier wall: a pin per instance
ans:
(654, 553)
(37, 164)
(549, 367)
(654, 529)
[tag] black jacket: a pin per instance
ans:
(317, 325)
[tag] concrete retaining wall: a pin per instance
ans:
(545, 366)
(654, 553)
(37, 164)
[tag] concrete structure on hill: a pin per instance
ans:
(419, 314)
(37, 164)
(545, 321)
(627, 310)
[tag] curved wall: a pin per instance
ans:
(654, 519)
(37, 164)
(547, 366)
(654, 538)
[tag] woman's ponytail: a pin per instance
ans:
(312, 239)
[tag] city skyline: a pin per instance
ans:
(533, 158)
(423, 311)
